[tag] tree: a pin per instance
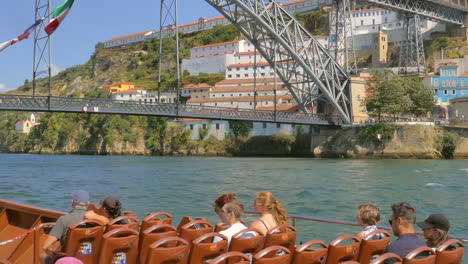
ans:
(386, 95)
(422, 98)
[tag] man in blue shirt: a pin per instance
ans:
(402, 222)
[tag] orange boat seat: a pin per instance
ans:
(420, 255)
(84, 241)
(4, 261)
(174, 250)
(231, 258)
(185, 220)
(153, 234)
(449, 253)
(282, 235)
(248, 241)
(125, 221)
(372, 248)
(195, 229)
(204, 250)
(349, 262)
(273, 255)
(221, 227)
(155, 218)
(311, 252)
(119, 246)
(381, 259)
(339, 253)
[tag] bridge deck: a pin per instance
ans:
(107, 106)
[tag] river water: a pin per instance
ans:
(326, 188)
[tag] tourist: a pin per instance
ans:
(80, 202)
(110, 209)
(402, 222)
(435, 229)
(271, 212)
(68, 260)
(221, 201)
(368, 216)
(232, 213)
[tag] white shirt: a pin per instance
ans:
(232, 230)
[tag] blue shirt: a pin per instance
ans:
(403, 245)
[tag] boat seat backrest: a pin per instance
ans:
(338, 253)
(381, 259)
(231, 258)
(155, 218)
(84, 240)
(420, 255)
(449, 253)
(311, 252)
(185, 220)
(248, 241)
(120, 244)
(153, 234)
(371, 247)
(195, 229)
(273, 255)
(125, 221)
(221, 227)
(174, 250)
(4, 261)
(203, 249)
(282, 235)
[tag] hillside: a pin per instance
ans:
(137, 63)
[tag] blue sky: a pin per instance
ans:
(88, 23)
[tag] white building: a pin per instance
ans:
(142, 96)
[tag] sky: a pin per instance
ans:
(88, 23)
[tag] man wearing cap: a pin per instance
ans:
(80, 202)
(435, 229)
(402, 222)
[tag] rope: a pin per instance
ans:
(17, 237)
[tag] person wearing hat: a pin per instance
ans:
(435, 229)
(110, 209)
(79, 202)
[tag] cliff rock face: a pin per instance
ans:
(407, 142)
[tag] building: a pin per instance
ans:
(451, 81)
(380, 49)
(458, 108)
(119, 87)
(25, 126)
(142, 96)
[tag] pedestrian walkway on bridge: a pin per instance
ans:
(107, 106)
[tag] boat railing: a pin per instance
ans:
(294, 219)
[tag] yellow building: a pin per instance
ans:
(119, 87)
(380, 49)
(358, 94)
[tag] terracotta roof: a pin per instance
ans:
(240, 81)
(193, 86)
(193, 119)
(204, 85)
(217, 44)
(245, 88)
(239, 99)
(19, 122)
(247, 64)
(131, 35)
(248, 53)
(279, 108)
(131, 91)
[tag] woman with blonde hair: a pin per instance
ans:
(272, 213)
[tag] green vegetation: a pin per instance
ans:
(316, 22)
(393, 95)
(240, 128)
(448, 143)
(371, 132)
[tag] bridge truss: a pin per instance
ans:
(307, 69)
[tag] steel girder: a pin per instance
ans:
(305, 66)
(42, 48)
(341, 40)
(412, 60)
(433, 10)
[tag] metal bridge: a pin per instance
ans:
(315, 77)
(107, 106)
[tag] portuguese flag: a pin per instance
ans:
(58, 16)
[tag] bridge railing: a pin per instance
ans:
(108, 106)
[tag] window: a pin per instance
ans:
(264, 124)
(246, 68)
(217, 126)
(278, 125)
(246, 75)
(454, 92)
(362, 22)
(436, 91)
(213, 95)
(191, 127)
(237, 75)
(229, 69)
(262, 74)
(240, 94)
(238, 69)
(204, 126)
(232, 102)
(445, 92)
(230, 76)
(232, 95)
(373, 21)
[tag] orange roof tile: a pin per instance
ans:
(245, 88)
(217, 44)
(240, 81)
(248, 64)
(204, 85)
(239, 99)
(131, 35)
(193, 119)
(248, 52)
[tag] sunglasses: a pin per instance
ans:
(390, 222)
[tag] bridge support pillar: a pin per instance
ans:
(412, 59)
(341, 40)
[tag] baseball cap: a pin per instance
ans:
(81, 197)
(111, 202)
(438, 221)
